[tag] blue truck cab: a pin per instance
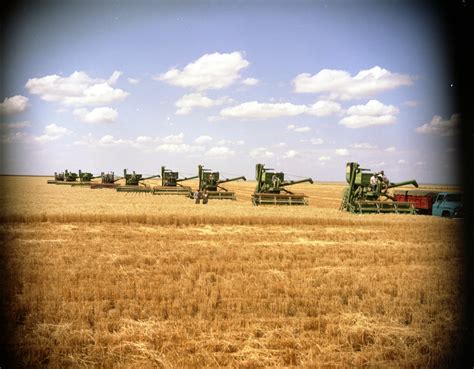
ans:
(448, 204)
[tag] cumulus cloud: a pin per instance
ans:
(255, 110)
(97, 115)
(109, 140)
(133, 81)
(401, 161)
(371, 114)
(196, 100)
(294, 128)
(172, 139)
(290, 154)
(339, 84)
(210, 71)
(342, 152)
(52, 132)
(203, 139)
(220, 152)
(261, 152)
(179, 148)
(391, 149)
(441, 127)
(324, 108)
(77, 90)
(230, 142)
(412, 103)
(324, 158)
(13, 105)
(250, 81)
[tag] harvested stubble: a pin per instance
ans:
(101, 279)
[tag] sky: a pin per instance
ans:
(303, 87)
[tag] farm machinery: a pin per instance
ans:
(133, 182)
(108, 180)
(64, 178)
(363, 196)
(170, 184)
(210, 181)
(270, 189)
(58, 177)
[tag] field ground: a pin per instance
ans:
(96, 278)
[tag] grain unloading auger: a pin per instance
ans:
(133, 182)
(209, 181)
(270, 189)
(170, 184)
(107, 180)
(360, 196)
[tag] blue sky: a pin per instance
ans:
(302, 87)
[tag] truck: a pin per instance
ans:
(449, 205)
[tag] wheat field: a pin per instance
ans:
(100, 279)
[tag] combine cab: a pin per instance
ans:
(271, 189)
(360, 196)
(170, 184)
(133, 182)
(107, 181)
(209, 181)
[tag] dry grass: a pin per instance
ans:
(105, 279)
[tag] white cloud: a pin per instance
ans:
(363, 145)
(13, 105)
(210, 71)
(340, 84)
(280, 145)
(97, 115)
(196, 100)
(290, 154)
(250, 81)
(77, 90)
(371, 114)
(203, 139)
(324, 158)
(391, 149)
(401, 161)
(133, 81)
(109, 140)
(316, 141)
(342, 152)
(16, 125)
(52, 132)
(179, 148)
(172, 139)
(220, 152)
(256, 110)
(230, 142)
(324, 108)
(261, 152)
(441, 127)
(294, 128)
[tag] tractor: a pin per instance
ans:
(361, 196)
(170, 184)
(210, 183)
(270, 189)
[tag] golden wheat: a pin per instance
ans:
(111, 280)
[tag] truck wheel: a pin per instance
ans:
(446, 214)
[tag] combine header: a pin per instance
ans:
(361, 196)
(209, 181)
(133, 182)
(107, 181)
(170, 184)
(270, 186)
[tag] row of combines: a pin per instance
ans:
(366, 191)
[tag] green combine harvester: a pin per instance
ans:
(170, 184)
(65, 178)
(362, 197)
(108, 180)
(133, 182)
(58, 177)
(270, 189)
(210, 181)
